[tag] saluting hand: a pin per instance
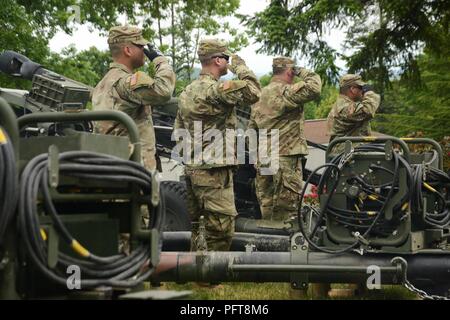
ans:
(235, 62)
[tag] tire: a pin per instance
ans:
(177, 216)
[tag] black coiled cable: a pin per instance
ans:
(9, 183)
(118, 270)
(440, 217)
(333, 170)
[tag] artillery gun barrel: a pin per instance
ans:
(428, 270)
(181, 241)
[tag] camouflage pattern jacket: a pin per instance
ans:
(133, 93)
(281, 107)
(349, 118)
(212, 103)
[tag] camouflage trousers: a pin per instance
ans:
(264, 193)
(148, 151)
(148, 157)
(279, 195)
(210, 194)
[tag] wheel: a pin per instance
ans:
(177, 217)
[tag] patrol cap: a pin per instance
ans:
(126, 34)
(351, 80)
(207, 48)
(283, 62)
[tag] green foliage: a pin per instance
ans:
(187, 23)
(328, 97)
(180, 85)
(295, 28)
(425, 108)
(28, 41)
(310, 110)
(384, 35)
(319, 109)
(54, 14)
(27, 25)
(391, 39)
(265, 80)
(88, 66)
(279, 291)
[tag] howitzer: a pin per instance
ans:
(380, 205)
(50, 92)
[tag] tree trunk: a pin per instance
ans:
(381, 66)
(172, 30)
(197, 38)
(159, 23)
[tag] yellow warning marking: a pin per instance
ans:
(429, 187)
(43, 235)
(79, 249)
(3, 139)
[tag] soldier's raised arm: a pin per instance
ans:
(365, 110)
(304, 91)
(244, 91)
(142, 88)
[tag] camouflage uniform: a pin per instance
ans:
(350, 118)
(210, 185)
(281, 108)
(445, 143)
(133, 93)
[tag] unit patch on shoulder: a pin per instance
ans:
(232, 85)
(140, 79)
(134, 79)
(226, 85)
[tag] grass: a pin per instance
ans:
(277, 291)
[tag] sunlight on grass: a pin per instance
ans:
(277, 291)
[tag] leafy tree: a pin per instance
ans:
(184, 23)
(28, 41)
(388, 39)
(329, 96)
(387, 34)
(265, 80)
(294, 28)
(27, 25)
(88, 66)
(426, 108)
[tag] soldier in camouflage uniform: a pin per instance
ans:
(133, 92)
(350, 116)
(210, 185)
(281, 108)
(353, 110)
